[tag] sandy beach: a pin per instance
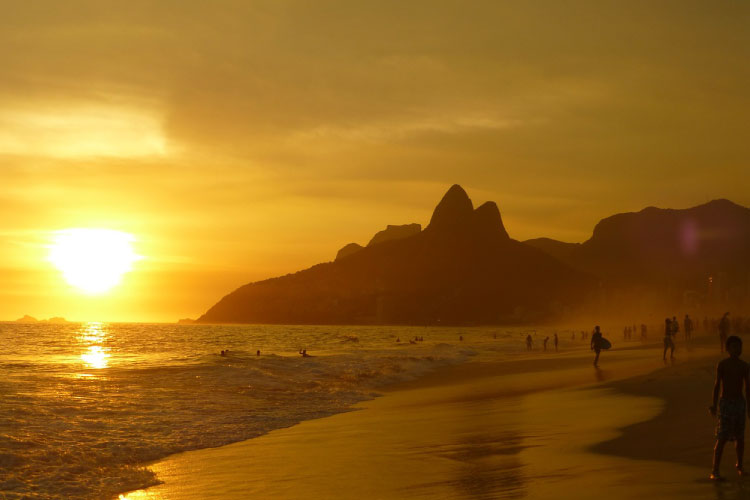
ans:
(539, 427)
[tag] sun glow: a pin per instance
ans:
(93, 260)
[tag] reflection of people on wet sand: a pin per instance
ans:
(596, 344)
(668, 342)
(731, 374)
(529, 342)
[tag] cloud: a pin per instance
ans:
(271, 132)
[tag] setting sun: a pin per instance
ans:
(93, 260)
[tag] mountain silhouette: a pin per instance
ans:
(666, 249)
(348, 250)
(463, 268)
(392, 232)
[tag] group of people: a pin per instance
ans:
(628, 331)
(415, 340)
(672, 329)
(731, 389)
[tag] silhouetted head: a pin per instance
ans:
(734, 345)
(726, 313)
(596, 328)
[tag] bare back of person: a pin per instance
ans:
(733, 373)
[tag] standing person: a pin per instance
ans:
(675, 327)
(724, 329)
(731, 375)
(529, 342)
(596, 344)
(644, 330)
(556, 340)
(668, 342)
(545, 342)
(688, 324)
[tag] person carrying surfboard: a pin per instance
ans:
(596, 344)
(731, 375)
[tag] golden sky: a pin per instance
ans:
(241, 140)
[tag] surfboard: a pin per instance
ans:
(605, 344)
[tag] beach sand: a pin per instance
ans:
(547, 426)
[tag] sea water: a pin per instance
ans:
(86, 405)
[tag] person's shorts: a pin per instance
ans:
(668, 342)
(731, 424)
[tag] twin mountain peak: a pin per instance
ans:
(464, 269)
(454, 214)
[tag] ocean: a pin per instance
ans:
(86, 405)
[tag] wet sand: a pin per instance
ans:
(542, 427)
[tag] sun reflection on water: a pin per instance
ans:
(92, 337)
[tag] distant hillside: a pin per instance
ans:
(462, 269)
(667, 249)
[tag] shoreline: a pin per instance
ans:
(462, 391)
(686, 391)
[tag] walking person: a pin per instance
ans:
(596, 344)
(731, 376)
(668, 342)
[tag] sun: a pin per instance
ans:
(93, 260)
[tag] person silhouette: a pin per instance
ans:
(731, 376)
(529, 342)
(688, 325)
(668, 342)
(556, 341)
(596, 344)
